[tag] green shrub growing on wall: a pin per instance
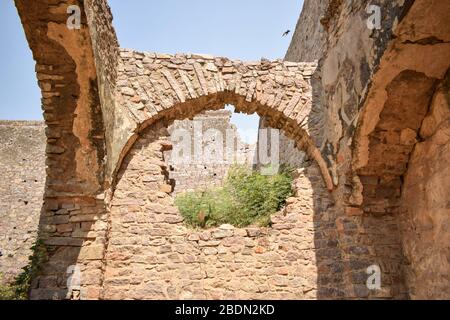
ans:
(19, 289)
(247, 197)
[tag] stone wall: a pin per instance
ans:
(22, 167)
(289, 153)
(212, 168)
(153, 255)
(377, 87)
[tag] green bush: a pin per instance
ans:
(247, 197)
(20, 288)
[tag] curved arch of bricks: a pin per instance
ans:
(167, 87)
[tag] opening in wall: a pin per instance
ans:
(17, 74)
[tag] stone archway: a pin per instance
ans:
(93, 120)
(174, 87)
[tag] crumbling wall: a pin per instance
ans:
(75, 150)
(211, 169)
(153, 255)
(425, 207)
(22, 167)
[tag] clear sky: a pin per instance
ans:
(237, 29)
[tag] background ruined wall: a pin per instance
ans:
(22, 167)
(289, 153)
(309, 39)
(203, 175)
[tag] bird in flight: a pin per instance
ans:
(286, 33)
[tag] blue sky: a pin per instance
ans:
(237, 29)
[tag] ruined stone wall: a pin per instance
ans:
(22, 167)
(289, 153)
(212, 168)
(153, 255)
